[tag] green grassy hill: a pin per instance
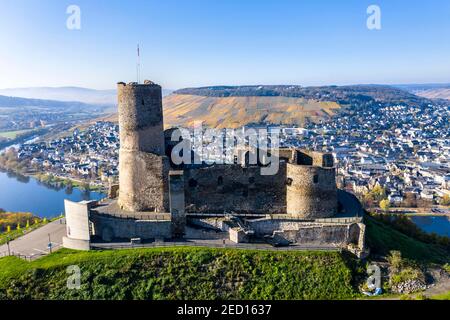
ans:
(182, 273)
(202, 273)
(382, 238)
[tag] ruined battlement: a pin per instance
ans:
(141, 117)
(146, 83)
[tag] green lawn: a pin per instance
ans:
(445, 296)
(180, 273)
(12, 134)
(205, 273)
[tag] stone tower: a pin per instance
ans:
(143, 166)
(311, 191)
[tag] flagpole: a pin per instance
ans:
(138, 67)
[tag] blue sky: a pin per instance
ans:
(214, 42)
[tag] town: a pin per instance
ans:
(91, 154)
(402, 149)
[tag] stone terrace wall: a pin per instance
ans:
(311, 233)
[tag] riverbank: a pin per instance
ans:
(435, 211)
(27, 194)
(53, 180)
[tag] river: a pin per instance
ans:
(26, 194)
(438, 225)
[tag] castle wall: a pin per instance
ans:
(143, 166)
(77, 219)
(177, 203)
(311, 191)
(312, 233)
(303, 191)
(233, 188)
(318, 235)
(77, 225)
(109, 228)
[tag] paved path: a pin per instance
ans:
(441, 287)
(35, 244)
(212, 244)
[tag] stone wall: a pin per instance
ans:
(304, 187)
(77, 219)
(233, 188)
(177, 203)
(143, 182)
(108, 228)
(77, 225)
(311, 233)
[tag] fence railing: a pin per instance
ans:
(22, 256)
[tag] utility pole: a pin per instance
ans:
(7, 243)
(49, 244)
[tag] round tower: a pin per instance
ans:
(141, 117)
(311, 191)
(143, 167)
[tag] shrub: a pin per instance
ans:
(406, 274)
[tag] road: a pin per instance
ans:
(35, 244)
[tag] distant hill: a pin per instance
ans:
(14, 102)
(344, 95)
(235, 112)
(430, 91)
(90, 96)
(103, 97)
(235, 106)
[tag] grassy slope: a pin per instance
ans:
(438, 93)
(13, 134)
(181, 273)
(196, 273)
(445, 296)
(235, 112)
(381, 239)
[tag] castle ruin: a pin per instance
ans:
(155, 201)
